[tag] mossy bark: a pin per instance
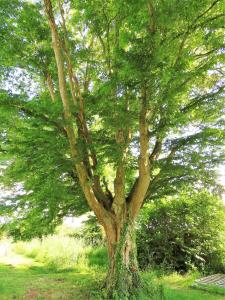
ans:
(123, 274)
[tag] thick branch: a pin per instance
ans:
(156, 151)
(83, 131)
(151, 12)
(50, 85)
(119, 182)
(80, 168)
(122, 141)
(142, 183)
(168, 161)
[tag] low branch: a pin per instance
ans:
(206, 11)
(32, 113)
(200, 100)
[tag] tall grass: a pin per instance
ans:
(58, 252)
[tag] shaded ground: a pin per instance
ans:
(40, 283)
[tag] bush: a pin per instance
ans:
(97, 257)
(183, 233)
(91, 232)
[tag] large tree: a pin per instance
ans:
(116, 102)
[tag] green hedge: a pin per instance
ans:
(182, 233)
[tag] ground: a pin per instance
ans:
(25, 279)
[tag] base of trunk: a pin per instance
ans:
(123, 275)
(122, 284)
(122, 280)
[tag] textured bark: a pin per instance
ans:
(123, 275)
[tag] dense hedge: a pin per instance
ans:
(182, 233)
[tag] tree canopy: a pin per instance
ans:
(118, 102)
(171, 50)
(174, 50)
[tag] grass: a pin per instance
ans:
(25, 278)
(42, 283)
(59, 252)
(40, 270)
(212, 289)
(179, 287)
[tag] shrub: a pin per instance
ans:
(91, 232)
(97, 257)
(182, 233)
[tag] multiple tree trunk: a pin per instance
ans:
(115, 213)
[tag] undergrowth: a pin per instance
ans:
(57, 252)
(79, 264)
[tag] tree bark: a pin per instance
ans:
(123, 273)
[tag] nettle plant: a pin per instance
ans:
(109, 103)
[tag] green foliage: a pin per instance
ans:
(91, 232)
(151, 287)
(175, 51)
(60, 252)
(34, 151)
(97, 257)
(183, 233)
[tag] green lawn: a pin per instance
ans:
(25, 279)
(40, 283)
(179, 288)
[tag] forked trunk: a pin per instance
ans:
(123, 275)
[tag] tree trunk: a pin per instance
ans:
(123, 274)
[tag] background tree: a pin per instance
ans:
(182, 233)
(129, 90)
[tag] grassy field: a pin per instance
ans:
(179, 287)
(24, 279)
